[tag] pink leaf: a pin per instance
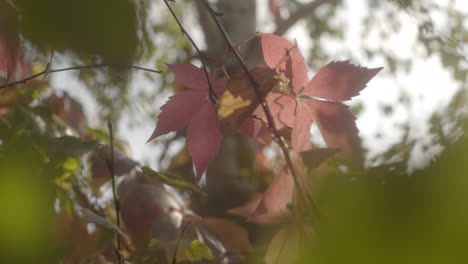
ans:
(278, 194)
(251, 127)
(9, 39)
(178, 111)
(339, 81)
(283, 56)
(204, 137)
(274, 50)
(338, 128)
(298, 71)
(300, 137)
(189, 75)
(282, 108)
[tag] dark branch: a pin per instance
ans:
(300, 13)
(302, 194)
(47, 71)
(212, 93)
(110, 166)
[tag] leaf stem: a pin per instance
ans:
(174, 259)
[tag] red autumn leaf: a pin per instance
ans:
(252, 127)
(9, 39)
(230, 233)
(337, 81)
(204, 137)
(300, 136)
(178, 111)
(282, 109)
(278, 195)
(338, 128)
(193, 108)
(272, 206)
(283, 56)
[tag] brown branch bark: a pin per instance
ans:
(300, 13)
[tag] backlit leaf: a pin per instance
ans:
(339, 81)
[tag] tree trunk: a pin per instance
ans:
(226, 183)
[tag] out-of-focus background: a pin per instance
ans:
(407, 206)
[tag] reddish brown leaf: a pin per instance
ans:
(9, 39)
(300, 137)
(195, 109)
(240, 99)
(189, 75)
(282, 108)
(336, 123)
(298, 72)
(339, 81)
(278, 194)
(204, 137)
(252, 127)
(283, 56)
(231, 234)
(177, 112)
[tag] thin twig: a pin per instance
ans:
(302, 194)
(47, 71)
(212, 92)
(174, 259)
(48, 65)
(110, 166)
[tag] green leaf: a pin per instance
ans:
(87, 27)
(71, 164)
(166, 179)
(197, 251)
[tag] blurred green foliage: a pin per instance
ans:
(105, 28)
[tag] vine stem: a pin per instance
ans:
(47, 70)
(212, 93)
(302, 193)
(110, 166)
(174, 255)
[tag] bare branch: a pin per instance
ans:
(212, 93)
(47, 71)
(300, 13)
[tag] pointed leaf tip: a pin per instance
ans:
(339, 81)
(177, 112)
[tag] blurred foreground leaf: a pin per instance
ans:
(105, 28)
